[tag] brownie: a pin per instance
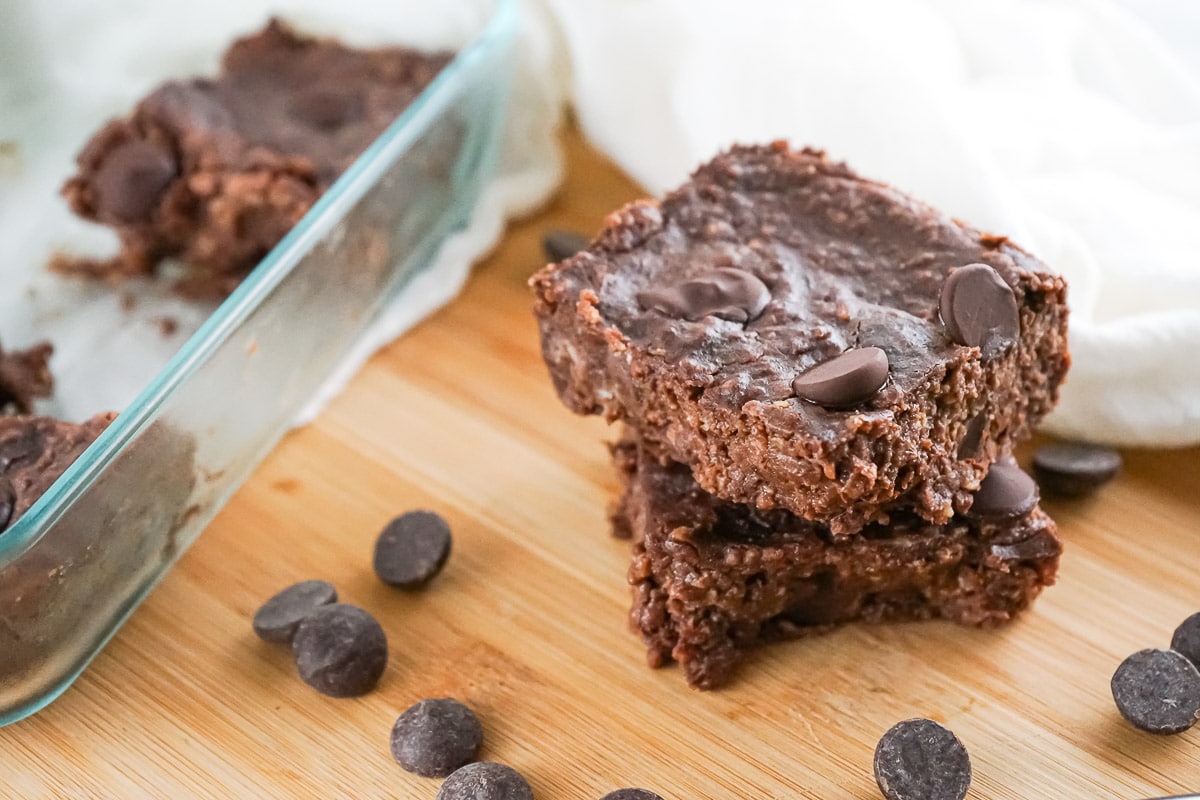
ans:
(216, 171)
(711, 578)
(24, 377)
(34, 451)
(701, 319)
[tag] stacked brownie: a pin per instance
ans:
(821, 380)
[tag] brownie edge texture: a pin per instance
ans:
(711, 579)
(847, 264)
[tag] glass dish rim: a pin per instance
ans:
(275, 267)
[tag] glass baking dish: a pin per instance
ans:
(79, 562)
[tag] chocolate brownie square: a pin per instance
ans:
(807, 339)
(216, 171)
(712, 578)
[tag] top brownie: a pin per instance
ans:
(701, 320)
(216, 171)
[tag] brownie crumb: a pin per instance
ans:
(918, 759)
(340, 650)
(24, 377)
(435, 737)
(485, 780)
(631, 794)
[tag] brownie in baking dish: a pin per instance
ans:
(34, 452)
(712, 578)
(806, 339)
(216, 171)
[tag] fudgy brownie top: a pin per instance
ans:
(25, 376)
(216, 170)
(34, 452)
(833, 262)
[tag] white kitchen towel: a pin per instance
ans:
(1073, 126)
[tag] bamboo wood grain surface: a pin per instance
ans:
(528, 622)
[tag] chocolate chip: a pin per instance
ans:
(279, 617)
(340, 650)
(979, 309)
(728, 293)
(1186, 640)
(1070, 470)
(485, 780)
(412, 549)
(27, 445)
(973, 436)
(631, 794)
(1037, 547)
(918, 759)
(844, 380)
(131, 179)
(8, 502)
(1005, 492)
(436, 737)
(325, 109)
(1158, 691)
(561, 245)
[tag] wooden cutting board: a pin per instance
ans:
(527, 623)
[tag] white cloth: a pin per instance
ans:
(1073, 126)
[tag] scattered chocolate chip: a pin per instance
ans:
(979, 309)
(973, 436)
(412, 549)
(131, 179)
(631, 794)
(436, 737)
(1158, 691)
(919, 759)
(561, 245)
(485, 780)
(1005, 492)
(1186, 640)
(340, 650)
(325, 109)
(8, 502)
(1069, 469)
(279, 617)
(728, 293)
(844, 380)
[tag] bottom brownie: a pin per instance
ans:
(711, 578)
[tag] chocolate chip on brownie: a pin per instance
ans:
(1186, 640)
(279, 617)
(844, 380)
(340, 650)
(979, 309)
(631, 794)
(919, 759)
(561, 245)
(1069, 469)
(725, 293)
(435, 737)
(1158, 691)
(412, 549)
(1006, 491)
(485, 780)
